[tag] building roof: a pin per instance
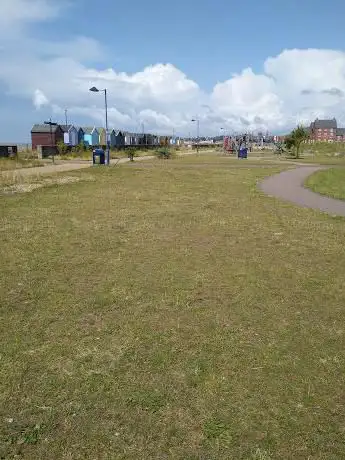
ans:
(341, 132)
(66, 128)
(325, 124)
(88, 129)
(127, 133)
(39, 129)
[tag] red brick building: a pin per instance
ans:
(46, 135)
(341, 134)
(324, 130)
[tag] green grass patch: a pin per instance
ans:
(332, 153)
(168, 309)
(330, 160)
(324, 148)
(329, 182)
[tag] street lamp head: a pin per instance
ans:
(94, 89)
(193, 120)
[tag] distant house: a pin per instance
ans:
(8, 150)
(340, 134)
(91, 136)
(177, 141)
(102, 136)
(70, 134)
(324, 130)
(112, 137)
(119, 139)
(131, 139)
(128, 138)
(46, 135)
(163, 140)
(150, 139)
(80, 135)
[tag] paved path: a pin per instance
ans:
(288, 185)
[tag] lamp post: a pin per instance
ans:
(197, 121)
(222, 134)
(96, 90)
(50, 123)
(143, 133)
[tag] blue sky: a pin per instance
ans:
(170, 63)
(208, 41)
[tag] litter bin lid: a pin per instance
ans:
(98, 151)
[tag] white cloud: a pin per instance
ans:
(249, 99)
(295, 86)
(20, 12)
(39, 99)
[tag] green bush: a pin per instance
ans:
(165, 153)
(62, 148)
(131, 153)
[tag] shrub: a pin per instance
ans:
(131, 153)
(62, 148)
(165, 153)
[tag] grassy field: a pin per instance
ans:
(324, 148)
(323, 153)
(330, 182)
(170, 310)
(318, 159)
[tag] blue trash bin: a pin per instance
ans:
(243, 153)
(100, 154)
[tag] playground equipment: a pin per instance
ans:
(237, 145)
(229, 145)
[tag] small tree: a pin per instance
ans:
(62, 148)
(131, 152)
(164, 153)
(295, 139)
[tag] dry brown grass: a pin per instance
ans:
(12, 182)
(9, 164)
